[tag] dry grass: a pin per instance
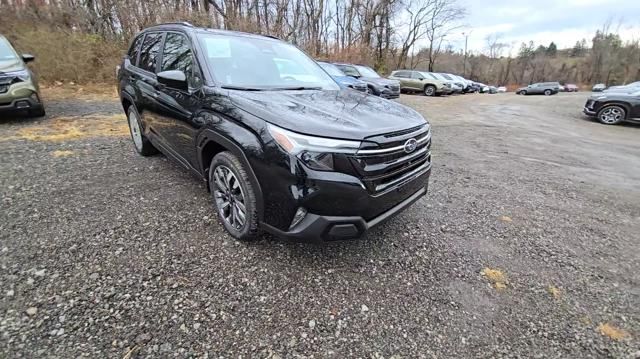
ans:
(62, 153)
(554, 291)
(62, 129)
(86, 92)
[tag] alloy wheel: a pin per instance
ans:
(229, 197)
(612, 115)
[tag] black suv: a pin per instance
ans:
(289, 153)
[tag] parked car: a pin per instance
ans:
(571, 88)
(377, 84)
(502, 89)
(491, 90)
(476, 87)
(632, 87)
(613, 108)
(342, 79)
(598, 87)
(419, 81)
(458, 84)
(561, 88)
(19, 91)
(303, 159)
(542, 88)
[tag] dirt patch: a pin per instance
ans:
(62, 153)
(613, 332)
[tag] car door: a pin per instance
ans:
(404, 78)
(416, 80)
(635, 105)
(145, 81)
(179, 107)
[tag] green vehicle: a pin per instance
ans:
(420, 81)
(19, 92)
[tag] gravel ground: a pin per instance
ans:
(526, 246)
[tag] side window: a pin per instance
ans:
(416, 75)
(402, 74)
(177, 55)
(135, 50)
(149, 52)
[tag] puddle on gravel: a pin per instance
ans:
(60, 129)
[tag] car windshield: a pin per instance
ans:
(446, 77)
(250, 63)
(331, 69)
(428, 75)
(367, 71)
(6, 52)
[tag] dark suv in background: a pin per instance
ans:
(541, 88)
(290, 153)
(377, 84)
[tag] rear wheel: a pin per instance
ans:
(430, 90)
(234, 196)
(142, 145)
(612, 115)
(522, 92)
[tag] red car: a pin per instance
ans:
(570, 88)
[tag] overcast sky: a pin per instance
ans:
(543, 21)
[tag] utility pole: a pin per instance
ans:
(464, 66)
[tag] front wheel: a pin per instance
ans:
(430, 90)
(233, 196)
(612, 115)
(547, 92)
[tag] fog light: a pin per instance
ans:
(300, 214)
(22, 104)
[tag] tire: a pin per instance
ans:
(228, 179)
(429, 90)
(142, 144)
(522, 93)
(37, 112)
(612, 114)
(547, 92)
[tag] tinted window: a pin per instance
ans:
(403, 74)
(149, 52)
(135, 50)
(367, 71)
(429, 75)
(177, 55)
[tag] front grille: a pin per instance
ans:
(387, 165)
(394, 88)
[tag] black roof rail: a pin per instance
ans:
(272, 37)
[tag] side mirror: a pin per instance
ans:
(421, 78)
(28, 57)
(174, 79)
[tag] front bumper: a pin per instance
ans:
(590, 108)
(339, 209)
(20, 97)
(588, 111)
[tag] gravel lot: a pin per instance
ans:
(528, 245)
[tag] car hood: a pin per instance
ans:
(340, 114)
(379, 81)
(11, 65)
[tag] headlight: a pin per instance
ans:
(20, 76)
(315, 152)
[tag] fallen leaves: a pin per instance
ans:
(613, 332)
(554, 291)
(496, 277)
(506, 219)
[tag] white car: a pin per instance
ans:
(502, 89)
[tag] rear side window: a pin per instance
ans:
(403, 74)
(135, 50)
(149, 52)
(177, 55)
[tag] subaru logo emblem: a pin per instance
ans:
(410, 145)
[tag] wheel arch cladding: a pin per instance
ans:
(211, 143)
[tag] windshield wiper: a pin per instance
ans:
(295, 88)
(241, 88)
